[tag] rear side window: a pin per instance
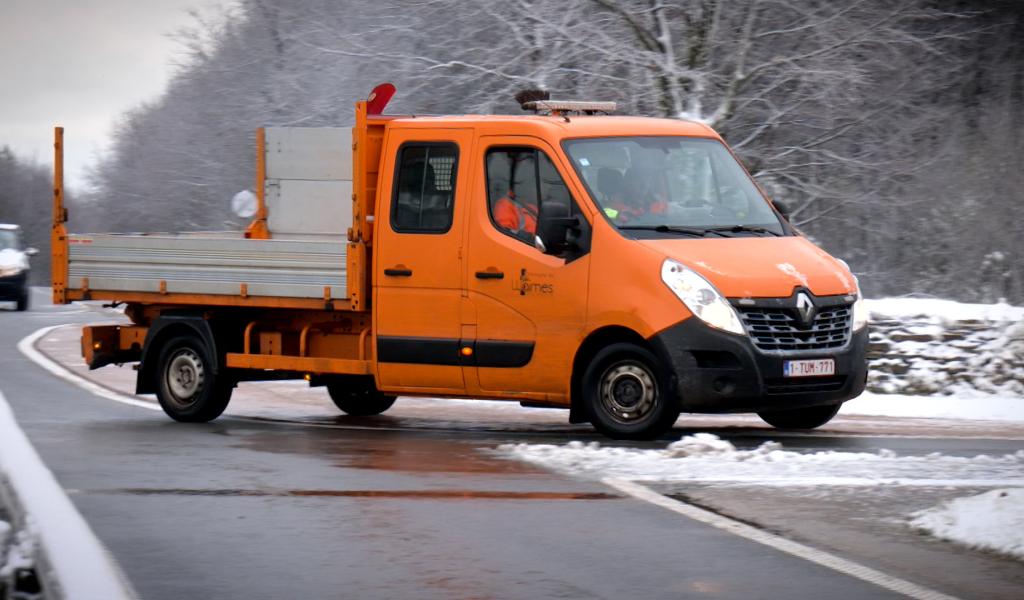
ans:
(424, 195)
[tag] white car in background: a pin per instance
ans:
(14, 266)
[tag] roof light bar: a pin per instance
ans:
(563, 106)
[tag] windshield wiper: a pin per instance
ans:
(694, 231)
(742, 228)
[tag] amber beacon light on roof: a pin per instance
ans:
(626, 269)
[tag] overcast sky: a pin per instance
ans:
(80, 64)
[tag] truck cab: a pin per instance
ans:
(627, 269)
(656, 277)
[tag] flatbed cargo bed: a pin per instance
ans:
(217, 263)
(299, 251)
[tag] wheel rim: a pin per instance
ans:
(628, 392)
(185, 376)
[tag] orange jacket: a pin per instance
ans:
(515, 217)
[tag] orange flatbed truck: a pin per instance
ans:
(646, 275)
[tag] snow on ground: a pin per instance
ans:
(965, 406)
(704, 457)
(991, 521)
(944, 310)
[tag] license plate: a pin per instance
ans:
(809, 368)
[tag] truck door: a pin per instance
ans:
(530, 307)
(418, 261)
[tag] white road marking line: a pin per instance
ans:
(74, 560)
(782, 544)
(27, 346)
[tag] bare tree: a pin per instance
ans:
(888, 127)
(25, 198)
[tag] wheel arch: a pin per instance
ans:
(592, 344)
(164, 328)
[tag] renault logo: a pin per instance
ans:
(805, 307)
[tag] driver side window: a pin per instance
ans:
(519, 181)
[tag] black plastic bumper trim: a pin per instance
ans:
(448, 351)
(752, 380)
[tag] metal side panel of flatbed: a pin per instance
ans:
(208, 263)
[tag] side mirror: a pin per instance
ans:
(554, 227)
(783, 208)
(31, 251)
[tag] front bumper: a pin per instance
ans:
(712, 371)
(13, 287)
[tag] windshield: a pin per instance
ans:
(8, 239)
(671, 185)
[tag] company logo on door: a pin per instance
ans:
(532, 283)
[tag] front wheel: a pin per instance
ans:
(188, 387)
(359, 398)
(22, 304)
(800, 418)
(626, 394)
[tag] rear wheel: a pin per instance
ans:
(359, 398)
(800, 418)
(625, 392)
(23, 301)
(188, 387)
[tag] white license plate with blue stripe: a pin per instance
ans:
(816, 367)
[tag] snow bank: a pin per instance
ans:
(991, 521)
(17, 550)
(80, 565)
(704, 457)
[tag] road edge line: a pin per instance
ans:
(27, 346)
(81, 569)
(760, 536)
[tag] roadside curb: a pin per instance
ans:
(72, 563)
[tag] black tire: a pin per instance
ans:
(359, 398)
(800, 418)
(187, 388)
(23, 302)
(626, 394)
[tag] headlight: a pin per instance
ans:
(701, 297)
(860, 312)
(10, 270)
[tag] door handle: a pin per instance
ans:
(490, 275)
(398, 272)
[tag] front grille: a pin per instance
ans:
(811, 385)
(779, 329)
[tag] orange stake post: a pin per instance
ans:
(258, 230)
(58, 232)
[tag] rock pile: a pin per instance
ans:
(937, 354)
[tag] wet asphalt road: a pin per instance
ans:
(241, 508)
